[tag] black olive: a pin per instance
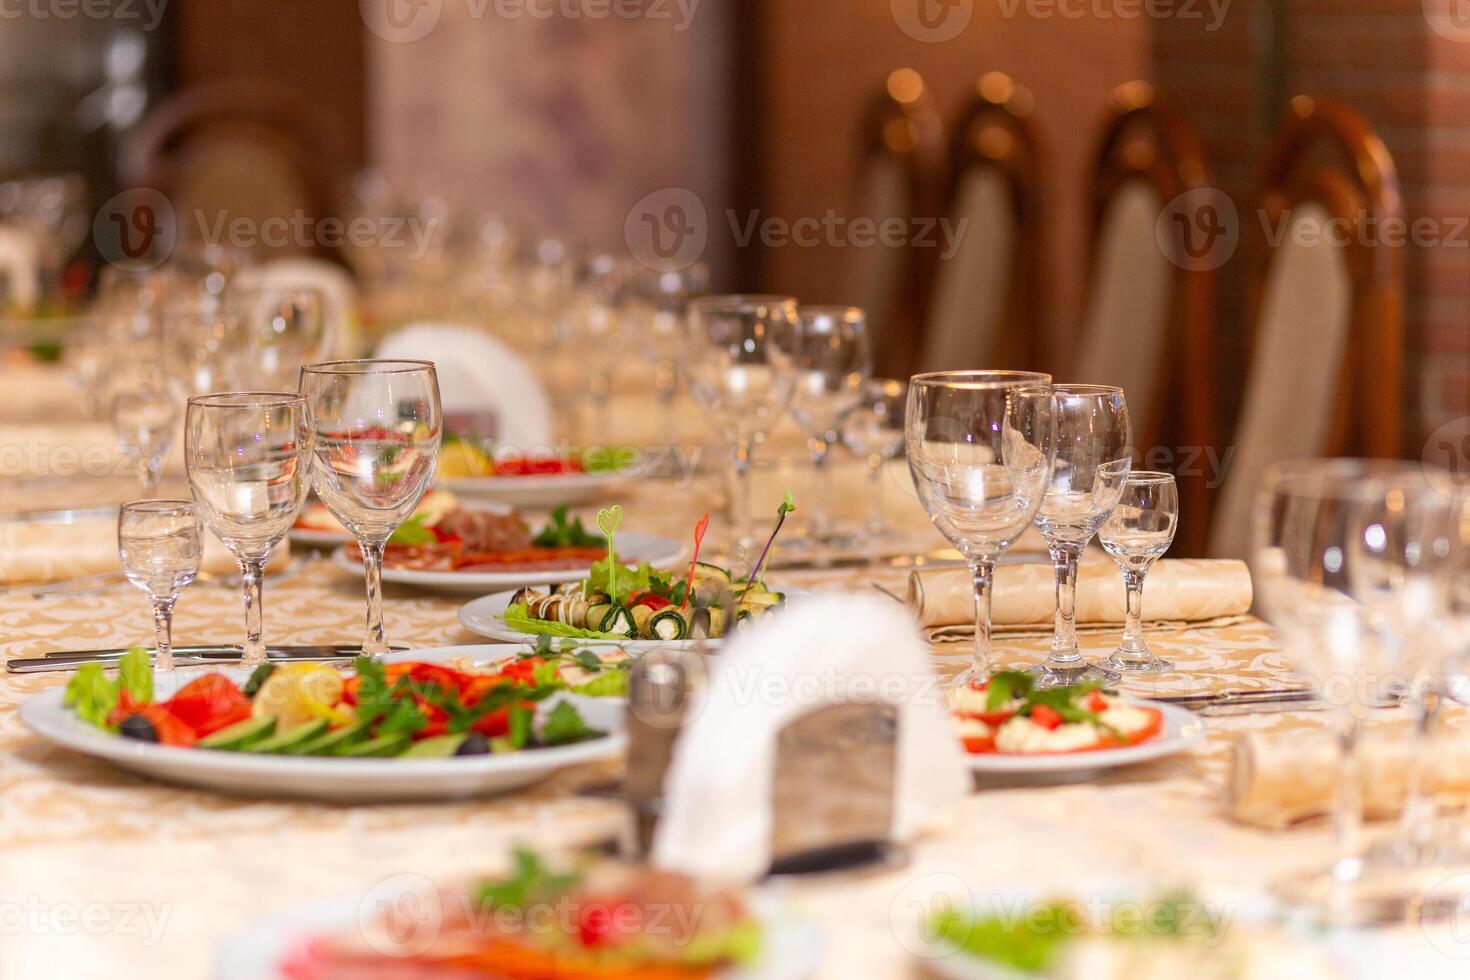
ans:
(136, 726)
(474, 744)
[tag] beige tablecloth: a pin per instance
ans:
(165, 873)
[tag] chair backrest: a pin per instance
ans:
(900, 169)
(1149, 322)
(985, 307)
(239, 149)
(1326, 371)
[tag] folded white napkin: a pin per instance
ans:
(837, 649)
(478, 373)
(339, 295)
(20, 265)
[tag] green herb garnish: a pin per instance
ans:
(562, 533)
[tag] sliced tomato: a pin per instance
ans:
(1154, 726)
(522, 671)
(170, 730)
(1096, 702)
(1045, 716)
(992, 718)
(209, 703)
(979, 746)
(650, 599)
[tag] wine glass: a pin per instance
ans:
(833, 361)
(1339, 585)
(981, 446)
(1094, 455)
(145, 412)
(248, 454)
(376, 426)
(874, 430)
(661, 308)
(158, 543)
(739, 364)
(282, 328)
(1136, 534)
(602, 334)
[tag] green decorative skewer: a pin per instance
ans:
(608, 519)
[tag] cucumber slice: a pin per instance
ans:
(330, 743)
(381, 747)
(241, 735)
(438, 747)
(289, 739)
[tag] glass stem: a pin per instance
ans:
(876, 524)
(1416, 826)
(163, 630)
(982, 574)
(1347, 809)
(375, 640)
(252, 574)
(740, 495)
(821, 521)
(1133, 642)
(1064, 637)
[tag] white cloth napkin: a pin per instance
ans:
(717, 816)
(339, 295)
(478, 373)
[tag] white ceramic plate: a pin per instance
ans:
(328, 779)
(547, 491)
(792, 948)
(485, 617)
(1182, 729)
(315, 538)
(632, 546)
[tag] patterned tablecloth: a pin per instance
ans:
(104, 873)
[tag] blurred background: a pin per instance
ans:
(510, 135)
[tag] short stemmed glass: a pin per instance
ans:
(248, 456)
(833, 361)
(1326, 575)
(874, 430)
(739, 364)
(981, 446)
(1094, 455)
(158, 542)
(377, 425)
(1136, 534)
(144, 417)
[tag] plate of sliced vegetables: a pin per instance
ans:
(556, 920)
(367, 731)
(532, 479)
(1007, 725)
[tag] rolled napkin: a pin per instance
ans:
(1023, 598)
(1277, 780)
(727, 778)
(42, 553)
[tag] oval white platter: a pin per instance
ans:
(633, 547)
(550, 490)
(329, 779)
(791, 950)
(485, 617)
(1182, 729)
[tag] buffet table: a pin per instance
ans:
(103, 873)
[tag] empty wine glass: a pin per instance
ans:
(377, 427)
(1136, 534)
(980, 447)
(833, 360)
(281, 327)
(1094, 455)
(661, 306)
(1330, 583)
(145, 413)
(248, 456)
(874, 430)
(738, 362)
(158, 543)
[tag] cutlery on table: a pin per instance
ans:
(193, 656)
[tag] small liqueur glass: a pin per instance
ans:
(1136, 534)
(159, 544)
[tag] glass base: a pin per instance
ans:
(1358, 895)
(1442, 844)
(965, 677)
(1081, 672)
(1132, 665)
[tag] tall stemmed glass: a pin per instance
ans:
(1136, 534)
(739, 364)
(158, 544)
(875, 430)
(833, 362)
(981, 446)
(248, 454)
(1094, 455)
(1338, 585)
(662, 302)
(377, 426)
(282, 328)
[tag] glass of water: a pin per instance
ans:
(158, 542)
(833, 363)
(1136, 534)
